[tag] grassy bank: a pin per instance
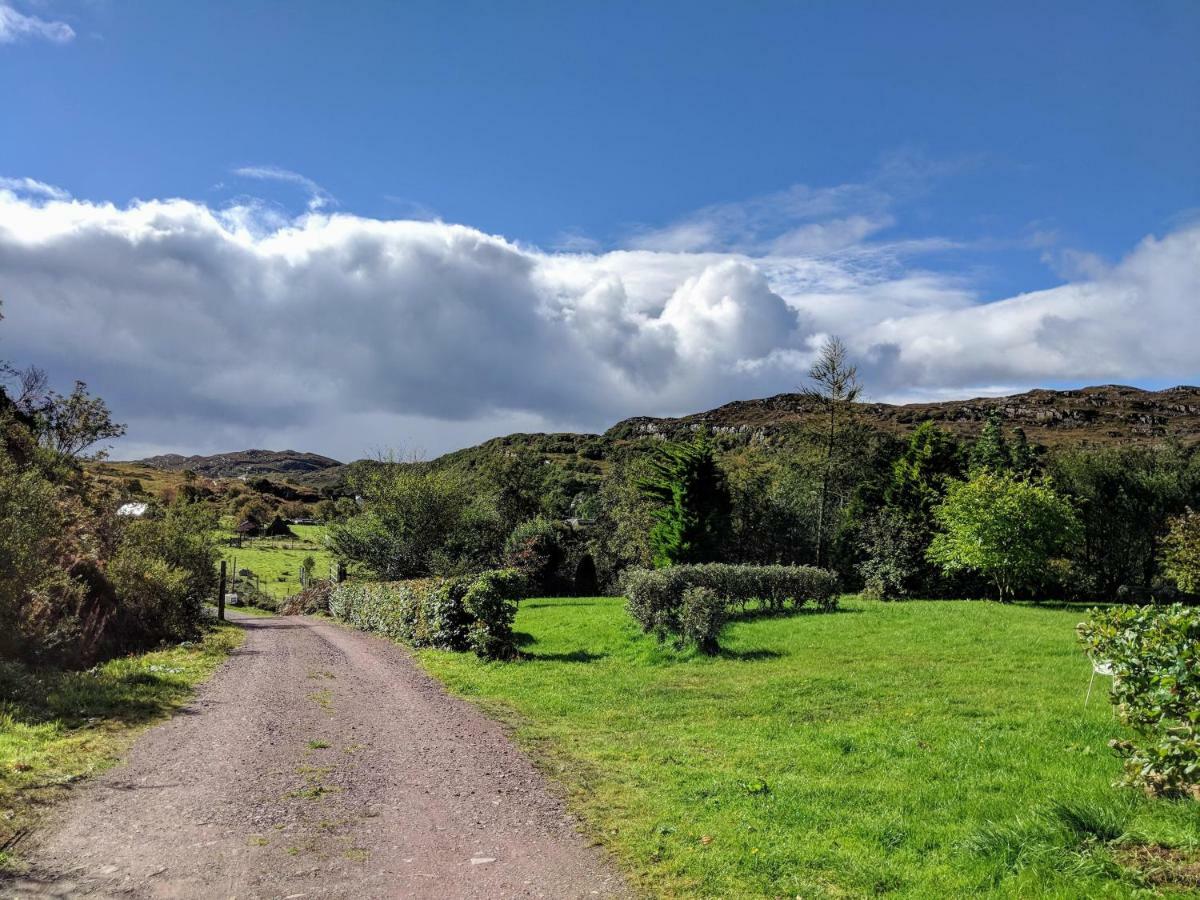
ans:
(59, 727)
(919, 749)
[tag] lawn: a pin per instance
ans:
(923, 749)
(276, 561)
(59, 727)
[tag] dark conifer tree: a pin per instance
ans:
(693, 508)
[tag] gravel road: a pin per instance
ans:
(317, 762)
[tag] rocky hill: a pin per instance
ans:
(244, 462)
(1107, 414)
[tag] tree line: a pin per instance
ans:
(929, 515)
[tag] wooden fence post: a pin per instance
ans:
(221, 594)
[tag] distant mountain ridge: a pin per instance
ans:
(244, 462)
(1104, 414)
(1099, 415)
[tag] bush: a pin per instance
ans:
(1155, 656)
(894, 548)
(701, 618)
(1181, 552)
(491, 600)
(536, 549)
(655, 597)
(162, 573)
(458, 613)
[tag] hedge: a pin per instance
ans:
(1154, 652)
(659, 599)
(469, 612)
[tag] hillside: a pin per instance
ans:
(243, 462)
(1107, 414)
(1102, 415)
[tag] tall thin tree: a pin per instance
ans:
(834, 386)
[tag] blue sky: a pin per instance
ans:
(994, 148)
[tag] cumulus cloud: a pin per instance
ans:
(16, 26)
(342, 334)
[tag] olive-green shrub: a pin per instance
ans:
(468, 612)
(655, 597)
(701, 618)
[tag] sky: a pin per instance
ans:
(351, 227)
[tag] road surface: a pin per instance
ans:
(317, 762)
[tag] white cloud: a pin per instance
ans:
(33, 188)
(15, 26)
(206, 330)
(318, 197)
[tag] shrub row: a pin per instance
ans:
(1155, 656)
(691, 603)
(469, 612)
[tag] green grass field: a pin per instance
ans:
(922, 749)
(276, 561)
(59, 727)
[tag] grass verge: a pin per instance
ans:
(922, 749)
(57, 728)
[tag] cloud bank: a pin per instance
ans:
(207, 331)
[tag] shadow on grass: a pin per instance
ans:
(128, 690)
(566, 601)
(750, 614)
(575, 656)
(748, 655)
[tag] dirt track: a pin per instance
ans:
(416, 794)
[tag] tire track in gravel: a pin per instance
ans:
(317, 762)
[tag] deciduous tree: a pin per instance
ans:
(1004, 528)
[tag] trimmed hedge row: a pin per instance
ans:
(666, 602)
(469, 612)
(1154, 652)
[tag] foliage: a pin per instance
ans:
(702, 615)
(455, 613)
(1154, 652)
(893, 546)
(70, 425)
(990, 452)
(411, 515)
(1181, 552)
(34, 543)
(1002, 527)
(491, 601)
(537, 550)
(692, 505)
(620, 538)
(890, 750)
(931, 460)
(774, 517)
(656, 596)
(1125, 498)
(163, 572)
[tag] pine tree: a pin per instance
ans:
(990, 452)
(920, 476)
(691, 521)
(1022, 455)
(834, 387)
